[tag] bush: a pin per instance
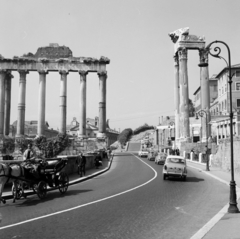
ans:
(142, 129)
(124, 136)
(49, 147)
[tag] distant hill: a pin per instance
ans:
(142, 135)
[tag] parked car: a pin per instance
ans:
(160, 158)
(175, 166)
(143, 153)
(151, 156)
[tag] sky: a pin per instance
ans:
(133, 34)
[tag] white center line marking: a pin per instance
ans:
(86, 204)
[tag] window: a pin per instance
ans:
(238, 103)
(237, 74)
(237, 85)
(215, 88)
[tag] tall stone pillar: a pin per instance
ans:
(176, 97)
(184, 125)
(7, 107)
(83, 102)
(41, 102)
(21, 103)
(205, 95)
(63, 102)
(2, 99)
(102, 104)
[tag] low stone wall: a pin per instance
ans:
(71, 166)
(222, 158)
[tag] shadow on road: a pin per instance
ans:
(32, 201)
(189, 179)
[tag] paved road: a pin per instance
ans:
(150, 207)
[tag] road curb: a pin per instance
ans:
(213, 221)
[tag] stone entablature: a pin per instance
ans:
(182, 39)
(54, 58)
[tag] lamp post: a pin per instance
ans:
(201, 113)
(232, 202)
(172, 123)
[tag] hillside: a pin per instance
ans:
(142, 135)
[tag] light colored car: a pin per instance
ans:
(143, 153)
(151, 156)
(175, 166)
(160, 158)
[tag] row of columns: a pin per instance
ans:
(5, 102)
(181, 95)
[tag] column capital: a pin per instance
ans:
(182, 54)
(63, 72)
(203, 54)
(83, 73)
(43, 72)
(9, 74)
(176, 60)
(102, 73)
(23, 72)
(3, 71)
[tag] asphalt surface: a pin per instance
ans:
(130, 200)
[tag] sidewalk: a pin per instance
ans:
(224, 225)
(73, 179)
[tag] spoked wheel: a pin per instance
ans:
(63, 182)
(17, 191)
(42, 189)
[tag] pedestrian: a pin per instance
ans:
(30, 163)
(177, 152)
(83, 164)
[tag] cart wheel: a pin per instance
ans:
(63, 181)
(42, 189)
(17, 191)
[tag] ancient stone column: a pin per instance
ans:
(205, 95)
(176, 97)
(184, 126)
(2, 99)
(41, 102)
(7, 107)
(63, 102)
(102, 104)
(83, 102)
(21, 103)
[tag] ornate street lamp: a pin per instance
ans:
(232, 202)
(201, 113)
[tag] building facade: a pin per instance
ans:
(220, 103)
(92, 130)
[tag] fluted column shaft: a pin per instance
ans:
(41, 102)
(63, 102)
(21, 103)
(7, 107)
(102, 103)
(2, 99)
(184, 96)
(83, 102)
(205, 95)
(176, 96)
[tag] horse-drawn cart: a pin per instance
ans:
(49, 174)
